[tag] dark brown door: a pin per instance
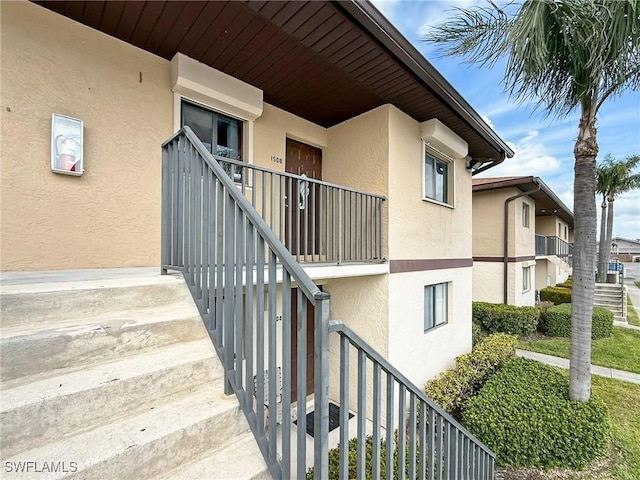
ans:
(304, 160)
(294, 345)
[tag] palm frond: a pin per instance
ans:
(560, 53)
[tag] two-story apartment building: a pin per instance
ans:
(356, 153)
(522, 236)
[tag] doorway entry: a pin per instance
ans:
(294, 344)
(303, 213)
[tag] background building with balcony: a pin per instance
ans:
(522, 236)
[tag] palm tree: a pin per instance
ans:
(614, 177)
(567, 55)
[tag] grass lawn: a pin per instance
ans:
(623, 400)
(620, 351)
(632, 316)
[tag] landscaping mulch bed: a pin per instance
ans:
(599, 470)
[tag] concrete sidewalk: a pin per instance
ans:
(595, 369)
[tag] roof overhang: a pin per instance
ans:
(323, 61)
(547, 202)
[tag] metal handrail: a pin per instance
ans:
(428, 442)
(252, 166)
(212, 234)
(320, 222)
(337, 326)
(232, 260)
(288, 261)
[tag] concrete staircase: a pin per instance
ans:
(612, 296)
(109, 374)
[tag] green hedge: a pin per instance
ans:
(497, 317)
(476, 334)
(525, 416)
(557, 295)
(334, 460)
(452, 388)
(558, 322)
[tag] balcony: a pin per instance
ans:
(554, 246)
(318, 222)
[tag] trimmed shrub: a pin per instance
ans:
(525, 416)
(567, 284)
(556, 295)
(476, 334)
(452, 388)
(496, 317)
(542, 323)
(334, 459)
(558, 322)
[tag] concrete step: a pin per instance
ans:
(36, 410)
(70, 303)
(608, 286)
(165, 436)
(111, 375)
(240, 460)
(47, 346)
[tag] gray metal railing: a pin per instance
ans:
(610, 272)
(435, 446)
(249, 289)
(241, 277)
(551, 245)
(319, 222)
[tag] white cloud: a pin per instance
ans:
(438, 12)
(531, 158)
(386, 7)
(488, 121)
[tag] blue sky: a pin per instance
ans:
(543, 145)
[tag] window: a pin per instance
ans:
(435, 305)
(525, 214)
(526, 279)
(436, 179)
(566, 233)
(222, 135)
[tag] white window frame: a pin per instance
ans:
(434, 315)
(450, 178)
(526, 215)
(526, 279)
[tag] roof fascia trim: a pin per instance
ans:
(378, 26)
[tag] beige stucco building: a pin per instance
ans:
(522, 236)
(131, 90)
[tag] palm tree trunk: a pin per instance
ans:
(584, 254)
(607, 251)
(602, 276)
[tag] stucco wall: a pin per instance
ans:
(516, 296)
(362, 304)
(521, 238)
(552, 226)
(271, 130)
(488, 221)
(546, 226)
(357, 156)
(418, 354)
(544, 269)
(487, 282)
(419, 229)
(109, 216)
